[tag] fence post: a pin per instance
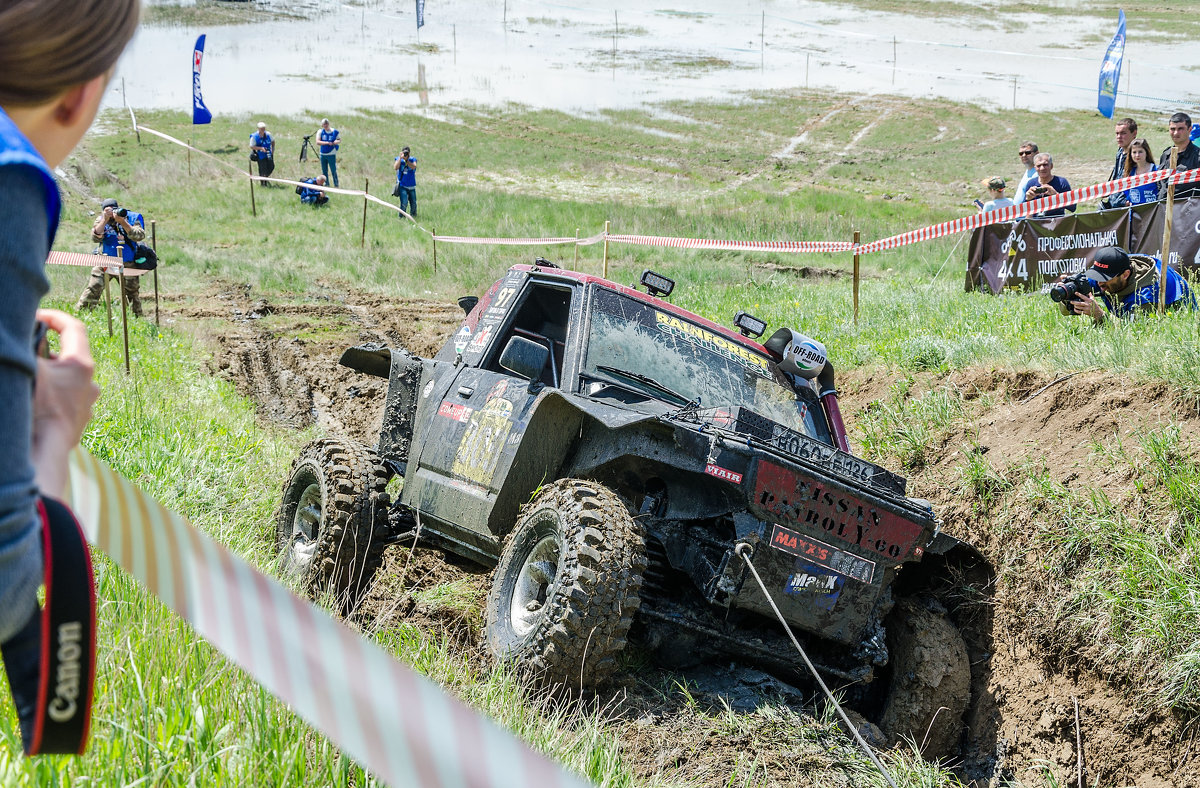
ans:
(250, 170)
(606, 223)
(154, 246)
(433, 235)
(1166, 244)
(362, 244)
(856, 277)
(124, 315)
(576, 263)
(189, 153)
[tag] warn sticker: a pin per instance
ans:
(801, 501)
(453, 410)
(722, 473)
(822, 554)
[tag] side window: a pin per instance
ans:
(542, 318)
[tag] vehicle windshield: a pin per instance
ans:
(633, 344)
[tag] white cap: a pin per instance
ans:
(262, 125)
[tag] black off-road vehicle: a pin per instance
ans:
(612, 456)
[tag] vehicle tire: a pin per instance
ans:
(567, 585)
(931, 680)
(333, 521)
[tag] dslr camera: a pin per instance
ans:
(1076, 284)
(122, 212)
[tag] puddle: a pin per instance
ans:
(325, 57)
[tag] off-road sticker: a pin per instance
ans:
(822, 554)
(461, 339)
(425, 392)
(480, 339)
(723, 473)
(718, 344)
(799, 500)
(820, 586)
(483, 440)
(454, 410)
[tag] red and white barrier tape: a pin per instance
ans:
(395, 723)
(464, 239)
(739, 246)
(112, 264)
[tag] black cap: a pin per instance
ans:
(109, 203)
(1109, 262)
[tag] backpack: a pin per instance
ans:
(144, 258)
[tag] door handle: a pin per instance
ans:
(465, 392)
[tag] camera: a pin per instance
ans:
(122, 212)
(1076, 284)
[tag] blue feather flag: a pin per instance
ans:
(1110, 70)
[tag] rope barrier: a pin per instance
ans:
(394, 722)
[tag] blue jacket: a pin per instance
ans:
(16, 150)
(326, 139)
(113, 239)
(407, 176)
(1143, 292)
(263, 141)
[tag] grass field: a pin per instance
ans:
(191, 442)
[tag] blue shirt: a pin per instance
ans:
(1060, 185)
(1030, 177)
(1147, 192)
(407, 176)
(327, 141)
(1178, 294)
(263, 141)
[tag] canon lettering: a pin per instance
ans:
(66, 689)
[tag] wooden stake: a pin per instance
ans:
(124, 316)
(606, 223)
(108, 297)
(1166, 244)
(433, 234)
(249, 169)
(856, 277)
(154, 246)
(576, 265)
(189, 152)
(366, 190)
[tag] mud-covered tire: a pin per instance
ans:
(332, 525)
(567, 585)
(931, 680)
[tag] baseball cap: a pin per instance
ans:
(324, 121)
(109, 203)
(262, 125)
(996, 183)
(1108, 262)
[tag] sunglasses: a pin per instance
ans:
(1024, 153)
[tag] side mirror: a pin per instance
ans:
(524, 358)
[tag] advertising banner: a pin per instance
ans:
(200, 113)
(1110, 70)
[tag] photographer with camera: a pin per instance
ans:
(406, 182)
(115, 227)
(1125, 283)
(262, 150)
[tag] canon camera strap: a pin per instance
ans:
(51, 662)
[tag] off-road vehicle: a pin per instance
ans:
(613, 457)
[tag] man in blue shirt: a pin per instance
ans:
(313, 197)
(1025, 151)
(406, 182)
(262, 150)
(328, 141)
(1128, 283)
(115, 227)
(1047, 184)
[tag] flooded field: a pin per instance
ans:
(324, 56)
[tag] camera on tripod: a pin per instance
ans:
(1076, 284)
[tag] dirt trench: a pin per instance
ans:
(1022, 718)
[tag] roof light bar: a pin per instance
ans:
(749, 325)
(657, 285)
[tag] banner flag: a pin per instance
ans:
(200, 113)
(1110, 70)
(420, 14)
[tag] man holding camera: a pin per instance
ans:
(406, 182)
(1125, 283)
(1046, 184)
(115, 227)
(262, 150)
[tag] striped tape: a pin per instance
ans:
(739, 246)
(395, 723)
(466, 239)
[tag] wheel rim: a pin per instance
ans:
(533, 584)
(306, 524)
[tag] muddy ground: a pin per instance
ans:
(284, 357)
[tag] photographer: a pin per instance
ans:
(406, 182)
(310, 196)
(1046, 184)
(115, 227)
(1125, 283)
(262, 150)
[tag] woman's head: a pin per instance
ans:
(1139, 151)
(55, 60)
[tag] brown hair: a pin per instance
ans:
(1140, 142)
(49, 46)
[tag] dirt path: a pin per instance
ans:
(284, 357)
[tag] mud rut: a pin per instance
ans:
(284, 357)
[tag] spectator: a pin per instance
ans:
(1127, 284)
(47, 102)
(328, 142)
(406, 182)
(1139, 161)
(1180, 128)
(313, 197)
(115, 228)
(262, 150)
(1126, 130)
(1026, 151)
(1047, 183)
(995, 187)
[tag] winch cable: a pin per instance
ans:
(743, 550)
